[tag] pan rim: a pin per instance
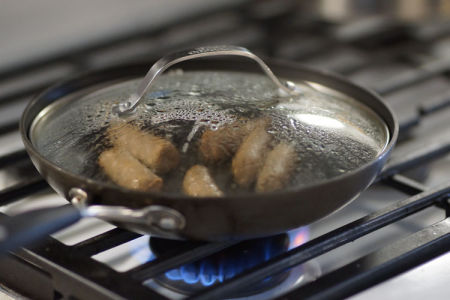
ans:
(288, 65)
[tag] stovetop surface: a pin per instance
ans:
(398, 225)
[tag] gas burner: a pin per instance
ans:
(191, 278)
(194, 277)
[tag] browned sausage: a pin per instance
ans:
(199, 183)
(127, 171)
(220, 145)
(277, 168)
(158, 154)
(250, 157)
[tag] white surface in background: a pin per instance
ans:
(428, 281)
(31, 29)
(82, 230)
(6, 294)
(36, 201)
(10, 142)
(128, 255)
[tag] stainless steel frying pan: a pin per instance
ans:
(342, 135)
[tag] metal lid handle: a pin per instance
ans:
(169, 60)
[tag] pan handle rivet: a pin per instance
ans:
(165, 218)
(77, 196)
(167, 223)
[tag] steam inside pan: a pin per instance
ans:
(211, 134)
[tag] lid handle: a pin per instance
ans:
(169, 60)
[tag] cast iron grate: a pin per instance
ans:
(57, 270)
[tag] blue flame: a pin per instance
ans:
(206, 272)
(222, 266)
(225, 265)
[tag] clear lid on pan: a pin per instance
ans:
(210, 133)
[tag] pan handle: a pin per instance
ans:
(156, 217)
(29, 227)
(169, 60)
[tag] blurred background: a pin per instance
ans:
(38, 29)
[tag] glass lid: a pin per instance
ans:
(210, 134)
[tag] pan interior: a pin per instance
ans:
(325, 132)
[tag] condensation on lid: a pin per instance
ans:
(330, 132)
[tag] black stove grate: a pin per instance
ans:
(56, 270)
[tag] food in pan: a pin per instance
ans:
(159, 154)
(138, 157)
(127, 171)
(250, 157)
(278, 166)
(198, 182)
(218, 146)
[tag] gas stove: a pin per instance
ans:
(391, 242)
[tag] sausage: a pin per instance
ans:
(199, 183)
(250, 157)
(157, 153)
(279, 164)
(127, 171)
(217, 146)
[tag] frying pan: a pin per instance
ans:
(236, 216)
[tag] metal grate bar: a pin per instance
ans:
(379, 265)
(327, 242)
(405, 124)
(182, 256)
(103, 282)
(420, 155)
(13, 279)
(405, 184)
(436, 104)
(27, 91)
(411, 77)
(12, 158)
(22, 189)
(9, 127)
